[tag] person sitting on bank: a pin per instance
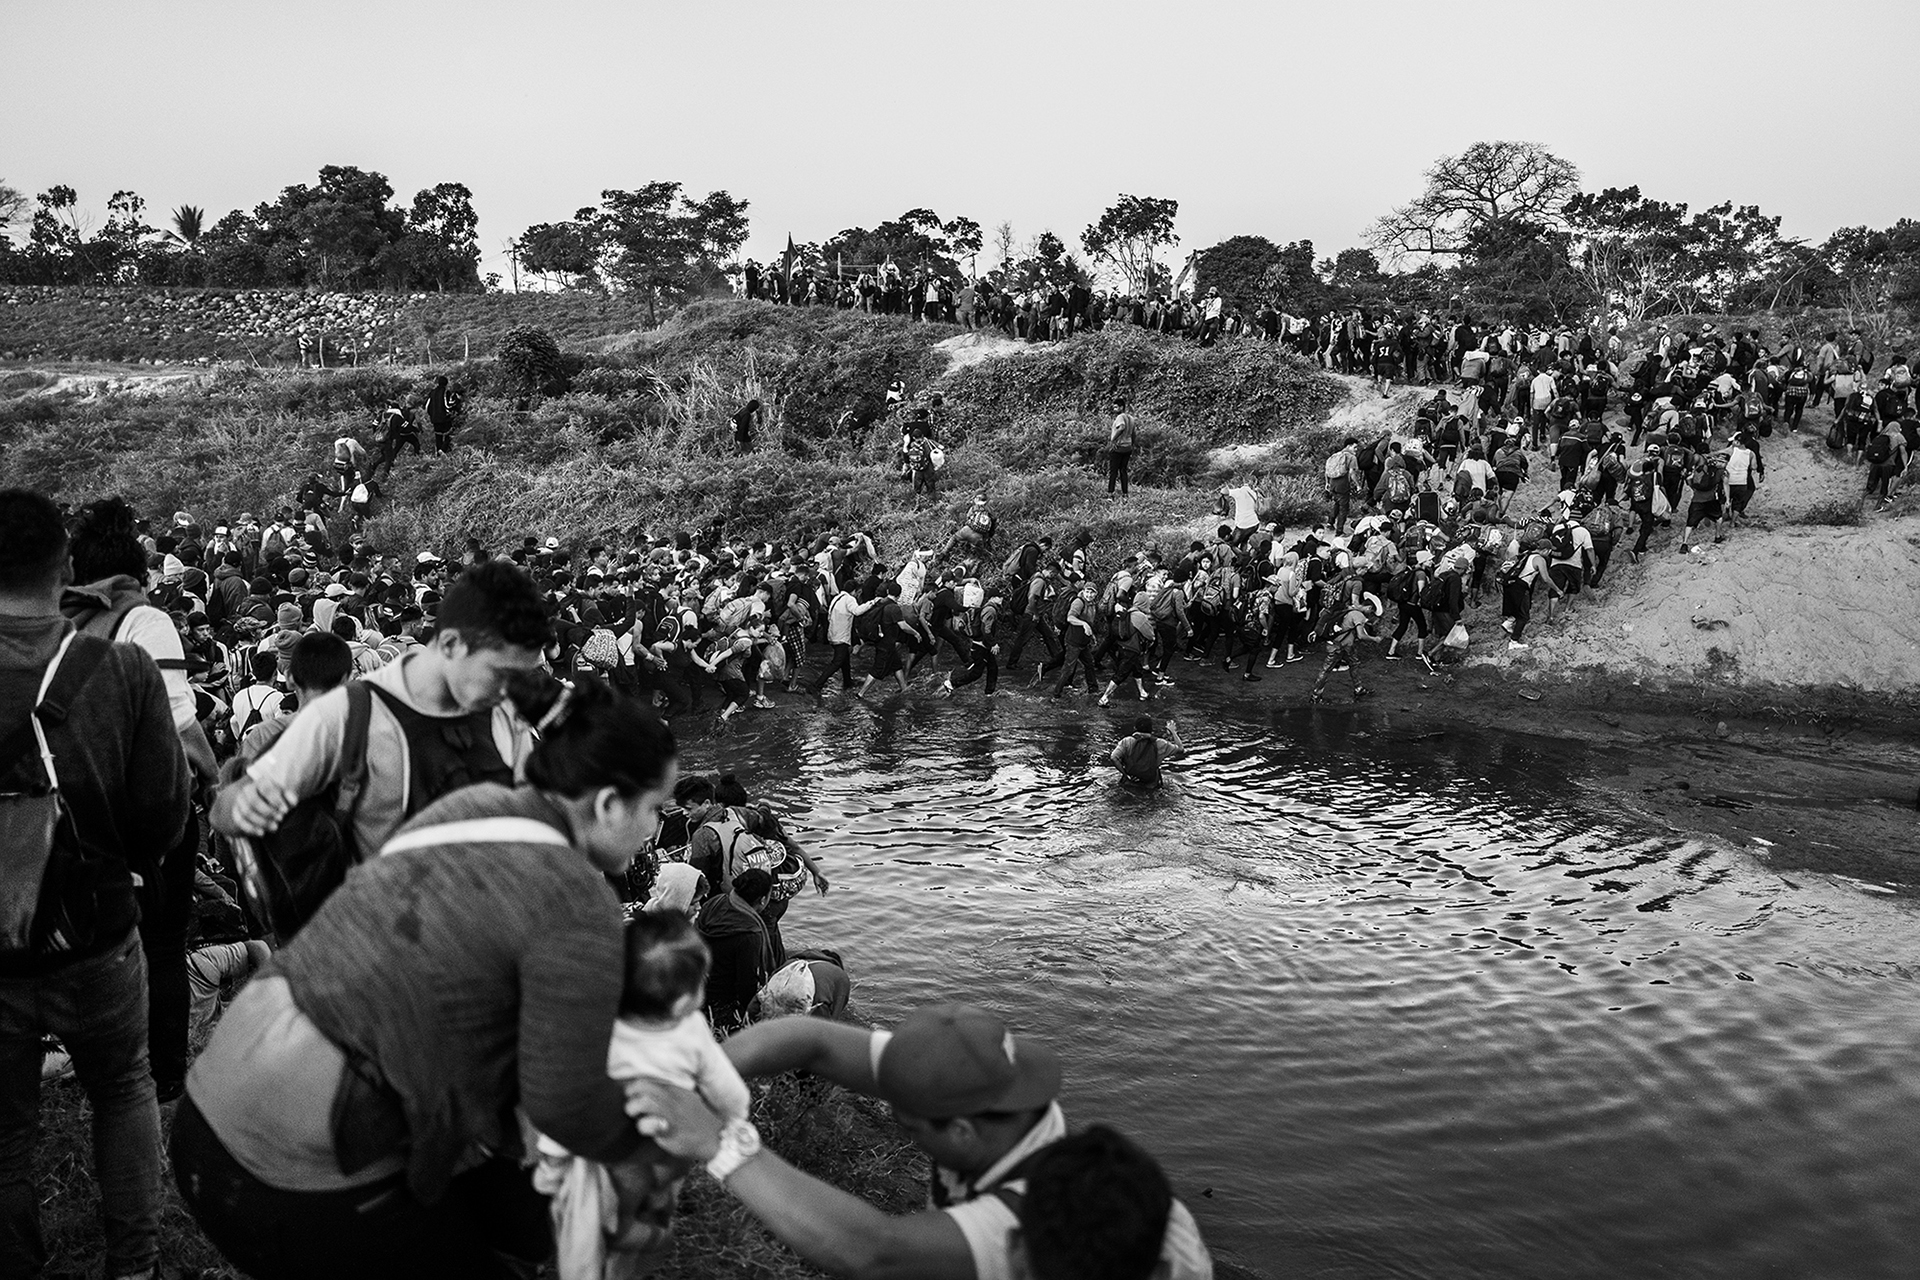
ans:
(977, 1099)
(1141, 754)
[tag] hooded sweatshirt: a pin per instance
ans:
(120, 766)
(743, 957)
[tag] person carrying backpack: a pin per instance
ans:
(1141, 755)
(1122, 437)
(1707, 483)
(370, 755)
(443, 414)
(1886, 459)
(94, 791)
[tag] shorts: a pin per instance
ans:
(1509, 483)
(1699, 511)
(886, 660)
(1567, 577)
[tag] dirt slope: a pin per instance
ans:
(1792, 599)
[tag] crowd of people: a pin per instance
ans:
(458, 934)
(336, 792)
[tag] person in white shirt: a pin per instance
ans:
(1245, 500)
(1744, 473)
(977, 1099)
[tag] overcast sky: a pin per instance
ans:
(1278, 119)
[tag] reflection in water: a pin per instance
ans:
(1385, 1007)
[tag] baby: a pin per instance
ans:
(626, 1210)
(661, 1034)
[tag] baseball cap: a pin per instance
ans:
(952, 1060)
(553, 544)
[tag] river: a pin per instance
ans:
(1384, 1002)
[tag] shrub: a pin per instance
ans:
(530, 364)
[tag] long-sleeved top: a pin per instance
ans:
(471, 978)
(120, 766)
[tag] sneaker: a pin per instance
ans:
(1298, 657)
(1506, 625)
(1272, 663)
(1518, 644)
(1391, 656)
(1316, 697)
(763, 702)
(945, 690)
(1361, 692)
(1105, 700)
(1251, 677)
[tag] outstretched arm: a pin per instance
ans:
(840, 1233)
(834, 1051)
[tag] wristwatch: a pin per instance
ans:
(739, 1143)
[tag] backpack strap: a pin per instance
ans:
(497, 830)
(353, 752)
(60, 684)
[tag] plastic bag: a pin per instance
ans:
(1456, 638)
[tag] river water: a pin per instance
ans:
(1384, 1004)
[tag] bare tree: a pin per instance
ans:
(1489, 182)
(13, 206)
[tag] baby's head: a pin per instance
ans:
(667, 961)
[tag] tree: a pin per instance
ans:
(13, 207)
(916, 241)
(1047, 265)
(1520, 270)
(441, 245)
(1513, 182)
(188, 222)
(1632, 251)
(652, 240)
(1293, 283)
(1238, 267)
(1872, 270)
(1127, 234)
(562, 252)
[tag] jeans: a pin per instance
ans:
(371, 1233)
(1117, 471)
(1030, 626)
(98, 1008)
(842, 662)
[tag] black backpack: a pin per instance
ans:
(1562, 541)
(291, 870)
(39, 847)
(1879, 450)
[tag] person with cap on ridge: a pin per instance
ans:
(977, 1099)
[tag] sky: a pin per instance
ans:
(1280, 119)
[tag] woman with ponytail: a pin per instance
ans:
(354, 1113)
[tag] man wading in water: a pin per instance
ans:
(1140, 755)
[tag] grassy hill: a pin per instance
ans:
(642, 441)
(263, 326)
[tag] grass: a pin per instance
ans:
(642, 442)
(844, 1139)
(261, 326)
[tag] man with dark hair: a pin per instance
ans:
(443, 408)
(319, 664)
(977, 1099)
(71, 964)
(1095, 1208)
(733, 923)
(438, 720)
